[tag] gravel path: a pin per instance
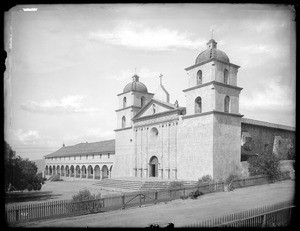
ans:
(181, 212)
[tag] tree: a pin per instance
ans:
(265, 164)
(20, 174)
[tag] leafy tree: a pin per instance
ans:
(20, 174)
(291, 153)
(266, 163)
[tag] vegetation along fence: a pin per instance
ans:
(277, 215)
(108, 203)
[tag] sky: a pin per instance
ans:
(67, 63)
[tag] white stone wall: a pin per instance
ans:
(195, 147)
(163, 146)
(226, 144)
(221, 92)
(213, 71)
(219, 73)
(124, 162)
(137, 98)
(128, 115)
(207, 95)
(208, 70)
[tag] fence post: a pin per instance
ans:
(17, 214)
(140, 200)
(264, 221)
(123, 201)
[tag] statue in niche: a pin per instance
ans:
(176, 104)
(153, 108)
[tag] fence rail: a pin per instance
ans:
(276, 215)
(126, 200)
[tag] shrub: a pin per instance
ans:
(184, 197)
(228, 183)
(85, 195)
(89, 202)
(194, 195)
(265, 164)
(205, 179)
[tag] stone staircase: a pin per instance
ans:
(154, 185)
(130, 185)
(119, 185)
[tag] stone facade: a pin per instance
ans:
(155, 138)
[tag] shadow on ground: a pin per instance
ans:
(29, 196)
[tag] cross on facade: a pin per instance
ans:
(160, 79)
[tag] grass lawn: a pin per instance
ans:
(56, 190)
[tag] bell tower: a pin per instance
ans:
(212, 106)
(135, 95)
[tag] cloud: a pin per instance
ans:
(138, 36)
(66, 105)
(143, 72)
(274, 97)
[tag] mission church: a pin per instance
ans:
(156, 138)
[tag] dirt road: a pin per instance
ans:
(182, 212)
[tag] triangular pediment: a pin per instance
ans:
(153, 107)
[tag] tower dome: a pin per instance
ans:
(212, 52)
(135, 85)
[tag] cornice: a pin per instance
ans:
(121, 129)
(124, 108)
(148, 93)
(209, 60)
(215, 83)
(212, 112)
(157, 115)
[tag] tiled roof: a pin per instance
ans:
(267, 124)
(107, 146)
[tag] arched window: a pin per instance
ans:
(154, 132)
(199, 77)
(123, 122)
(198, 105)
(124, 102)
(226, 104)
(142, 101)
(226, 76)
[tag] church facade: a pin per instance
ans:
(156, 138)
(160, 139)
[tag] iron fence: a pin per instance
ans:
(126, 200)
(277, 215)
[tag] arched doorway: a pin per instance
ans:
(83, 170)
(72, 171)
(67, 170)
(90, 172)
(104, 172)
(97, 172)
(62, 170)
(77, 172)
(153, 167)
